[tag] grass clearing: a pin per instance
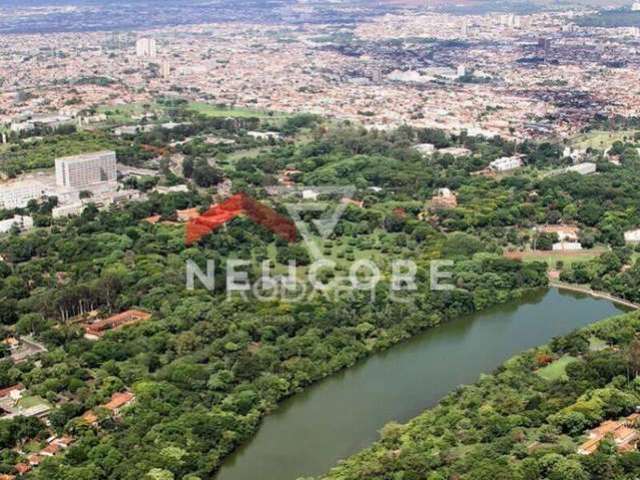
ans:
(599, 139)
(220, 111)
(32, 401)
(119, 114)
(551, 258)
(596, 344)
(556, 370)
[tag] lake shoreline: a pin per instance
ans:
(593, 293)
(308, 421)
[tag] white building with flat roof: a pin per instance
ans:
(632, 236)
(22, 222)
(566, 246)
(18, 194)
(82, 171)
(505, 164)
(425, 148)
(584, 168)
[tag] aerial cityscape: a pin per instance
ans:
(319, 240)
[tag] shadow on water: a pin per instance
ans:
(311, 431)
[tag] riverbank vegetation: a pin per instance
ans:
(204, 370)
(524, 422)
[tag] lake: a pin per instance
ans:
(335, 418)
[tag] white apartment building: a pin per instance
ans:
(505, 164)
(146, 47)
(81, 171)
(18, 194)
(635, 7)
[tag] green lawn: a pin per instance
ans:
(32, 401)
(600, 139)
(119, 114)
(596, 344)
(218, 111)
(32, 446)
(567, 258)
(556, 370)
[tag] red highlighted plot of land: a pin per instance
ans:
(239, 204)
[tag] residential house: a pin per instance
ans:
(425, 148)
(632, 236)
(505, 164)
(443, 199)
(97, 329)
(623, 433)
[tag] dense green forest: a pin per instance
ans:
(206, 369)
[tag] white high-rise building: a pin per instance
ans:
(165, 69)
(146, 47)
(465, 29)
(84, 170)
(635, 7)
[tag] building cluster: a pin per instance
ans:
(516, 76)
(77, 181)
(10, 406)
(567, 237)
(623, 433)
(146, 48)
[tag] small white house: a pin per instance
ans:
(309, 194)
(265, 135)
(505, 164)
(632, 236)
(68, 210)
(425, 148)
(584, 168)
(566, 246)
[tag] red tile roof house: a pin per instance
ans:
(97, 329)
(22, 468)
(119, 401)
(56, 445)
(623, 433)
(6, 392)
